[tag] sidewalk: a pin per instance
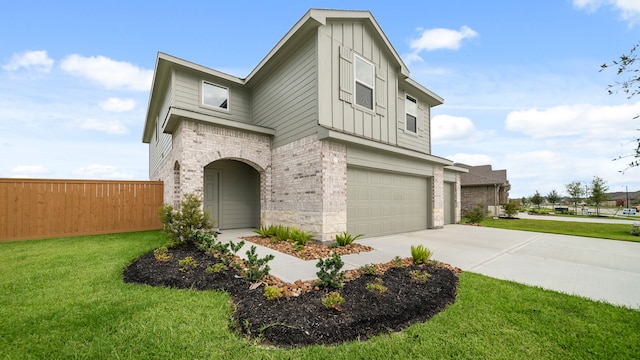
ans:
(598, 269)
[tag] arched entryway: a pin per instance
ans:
(232, 194)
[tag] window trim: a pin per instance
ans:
(209, 106)
(408, 97)
(356, 82)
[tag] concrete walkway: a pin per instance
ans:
(598, 269)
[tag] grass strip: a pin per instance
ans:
(604, 231)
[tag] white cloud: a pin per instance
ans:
(629, 9)
(96, 171)
(434, 39)
(118, 105)
(28, 171)
(594, 121)
(110, 73)
(471, 159)
(450, 129)
(38, 61)
(109, 126)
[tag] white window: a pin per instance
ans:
(411, 109)
(215, 96)
(364, 83)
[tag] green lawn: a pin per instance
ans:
(64, 298)
(604, 231)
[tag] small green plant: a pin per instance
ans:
(182, 223)
(299, 237)
(266, 231)
(368, 269)
(282, 233)
(254, 267)
(187, 264)
(333, 300)
(476, 215)
(397, 261)
(344, 238)
(419, 276)
(330, 275)
(227, 251)
(635, 229)
(204, 239)
(272, 292)
(510, 209)
(376, 287)
(162, 254)
(216, 268)
(420, 254)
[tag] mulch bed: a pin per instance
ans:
(302, 319)
(310, 251)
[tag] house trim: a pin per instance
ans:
(176, 115)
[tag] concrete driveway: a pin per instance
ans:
(598, 269)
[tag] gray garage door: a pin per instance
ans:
(449, 204)
(381, 203)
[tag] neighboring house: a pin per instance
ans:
(328, 133)
(484, 186)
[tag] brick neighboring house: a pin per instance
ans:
(482, 185)
(328, 133)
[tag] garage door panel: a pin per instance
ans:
(380, 203)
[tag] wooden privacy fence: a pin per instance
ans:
(42, 208)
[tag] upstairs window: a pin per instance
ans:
(215, 96)
(365, 79)
(411, 109)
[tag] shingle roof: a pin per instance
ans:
(482, 175)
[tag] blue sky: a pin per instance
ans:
(520, 79)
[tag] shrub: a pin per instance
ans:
(204, 239)
(376, 287)
(272, 292)
(419, 276)
(510, 209)
(162, 254)
(181, 224)
(397, 261)
(266, 231)
(368, 269)
(329, 275)
(216, 268)
(344, 238)
(477, 214)
(282, 233)
(187, 264)
(333, 300)
(635, 229)
(227, 251)
(254, 267)
(300, 237)
(420, 254)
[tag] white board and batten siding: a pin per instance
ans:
(287, 99)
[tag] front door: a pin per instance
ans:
(212, 196)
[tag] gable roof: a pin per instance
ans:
(482, 175)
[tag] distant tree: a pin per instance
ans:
(553, 197)
(599, 190)
(574, 189)
(524, 201)
(537, 199)
(629, 68)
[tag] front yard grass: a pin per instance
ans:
(65, 298)
(596, 230)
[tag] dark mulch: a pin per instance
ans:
(303, 320)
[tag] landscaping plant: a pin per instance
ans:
(333, 300)
(376, 287)
(299, 237)
(187, 264)
(476, 215)
(330, 275)
(183, 224)
(420, 254)
(272, 292)
(419, 276)
(635, 229)
(162, 254)
(344, 238)
(254, 267)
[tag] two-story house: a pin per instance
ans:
(328, 133)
